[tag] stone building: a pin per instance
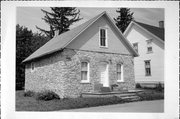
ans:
(77, 61)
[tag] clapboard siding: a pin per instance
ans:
(137, 35)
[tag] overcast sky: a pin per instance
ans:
(32, 16)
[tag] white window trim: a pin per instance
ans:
(100, 37)
(88, 74)
(149, 51)
(149, 45)
(145, 68)
(32, 63)
(122, 74)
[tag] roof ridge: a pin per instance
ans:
(83, 23)
(61, 41)
(147, 24)
(50, 42)
(156, 31)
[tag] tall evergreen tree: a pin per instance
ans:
(59, 19)
(124, 18)
(26, 43)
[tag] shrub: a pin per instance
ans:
(29, 93)
(159, 87)
(138, 85)
(151, 96)
(113, 86)
(47, 95)
(148, 88)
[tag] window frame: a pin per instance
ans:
(106, 37)
(134, 47)
(149, 45)
(145, 66)
(32, 67)
(88, 76)
(121, 71)
(148, 49)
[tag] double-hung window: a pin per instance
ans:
(119, 72)
(147, 68)
(84, 72)
(103, 37)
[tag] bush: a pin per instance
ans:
(151, 96)
(113, 86)
(138, 85)
(159, 87)
(29, 93)
(47, 95)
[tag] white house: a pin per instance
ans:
(148, 41)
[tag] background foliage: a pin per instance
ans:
(59, 19)
(26, 43)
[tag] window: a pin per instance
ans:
(84, 72)
(119, 72)
(103, 38)
(149, 49)
(135, 45)
(147, 68)
(149, 46)
(32, 66)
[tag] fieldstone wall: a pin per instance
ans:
(47, 75)
(61, 72)
(73, 84)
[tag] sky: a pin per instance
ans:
(32, 16)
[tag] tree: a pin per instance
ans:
(23, 36)
(124, 18)
(26, 43)
(59, 19)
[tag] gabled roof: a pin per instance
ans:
(159, 32)
(153, 30)
(61, 41)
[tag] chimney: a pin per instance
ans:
(56, 33)
(161, 24)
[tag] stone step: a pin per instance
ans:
(120, 94)
(110, 95)
(126, 94)
(131, 98)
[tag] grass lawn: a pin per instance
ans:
(31, 104)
